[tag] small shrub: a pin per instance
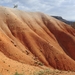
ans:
(39, 63)
(43, 72)
(17, 73)
(39, 73)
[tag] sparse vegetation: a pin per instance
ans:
(48, 72)
(43, 72)
(39, 63)
(16, 73)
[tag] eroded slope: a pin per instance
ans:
(36, 38)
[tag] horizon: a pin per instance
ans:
(63, 8)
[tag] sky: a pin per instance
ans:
(64, 8)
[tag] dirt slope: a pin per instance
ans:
(35, 39)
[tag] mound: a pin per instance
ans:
(35, 39)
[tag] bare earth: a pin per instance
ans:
(33, 42)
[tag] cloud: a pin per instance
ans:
(5, 1)
(64, 8)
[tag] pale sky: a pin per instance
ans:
(64, 8)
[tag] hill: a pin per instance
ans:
(63, 20)
(72, 23)
(31, 41)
